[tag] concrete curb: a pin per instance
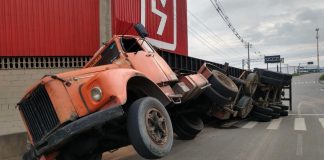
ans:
(13, 145)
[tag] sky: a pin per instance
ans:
(273, 27)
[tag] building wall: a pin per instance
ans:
(13, 84)
(49, 27)
(174, 36)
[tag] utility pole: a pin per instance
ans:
(318, 67)
(298, 70)
(243, 63)
(248, 46)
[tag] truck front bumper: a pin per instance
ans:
(70, 130)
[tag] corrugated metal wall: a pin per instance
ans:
(127, 12)
(49, 27)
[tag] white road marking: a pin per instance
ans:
(274, 124)
(299, 150)
(250, 125)
(298, 108)
(300, 124)
(321, 120)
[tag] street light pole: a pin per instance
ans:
(318, 67)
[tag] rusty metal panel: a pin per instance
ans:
(166, 21)
(49, 27)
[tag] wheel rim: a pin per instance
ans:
(252, 84)
(156, 126)
(246, 109)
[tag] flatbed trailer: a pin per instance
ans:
(189, 64)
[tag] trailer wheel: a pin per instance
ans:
(276, 109)
(188, 126)
(244, 106)
(266, 111)
(284, 113)
(251, 84)
(261, 117)
(275, 115)
(283, 107)
(223, 84)
(149, 128)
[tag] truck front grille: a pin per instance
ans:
(39, 113)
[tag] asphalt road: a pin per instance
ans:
(300, 136)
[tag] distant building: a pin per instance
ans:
(308, 68)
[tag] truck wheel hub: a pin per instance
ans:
(156, 126)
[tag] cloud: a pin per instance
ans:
(273, 27)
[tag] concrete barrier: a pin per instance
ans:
(13, 145)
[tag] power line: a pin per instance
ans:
(205, 42)
(212, 34)
(220, 9)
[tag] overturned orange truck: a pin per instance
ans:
(126, 94)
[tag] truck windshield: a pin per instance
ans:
(130, 45)
(108, 55)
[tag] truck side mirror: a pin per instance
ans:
(141, 31)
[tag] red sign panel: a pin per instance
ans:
(49, 27)
(165, 20)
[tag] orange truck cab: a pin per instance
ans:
(124, 95)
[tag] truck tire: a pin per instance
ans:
(275, 115)
(188, 126)
(276, 109)
(284, 113)
(283, 107)
(244, 106)
(266, 111)
(261, 117)
(149, 128)
(251, 84)
(183, 135)
(223, 84)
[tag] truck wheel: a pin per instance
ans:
(188, 126)
(275, 115)
(182, 134)
(251, 84)
(244, 106)
(276, 109)
(284, 113)
(223, 84)
(261, 117)
(266, 111)
(149, 128)
(283, 107)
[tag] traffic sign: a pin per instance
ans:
(272, 59)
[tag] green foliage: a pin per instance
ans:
(322, 77)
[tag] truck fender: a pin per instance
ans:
(113, 84)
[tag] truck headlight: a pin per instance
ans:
(96, 94)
